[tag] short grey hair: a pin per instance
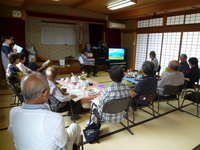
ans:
(174, 64)
(30, 57)
(33, 85)
(184, 56)
(148, 68)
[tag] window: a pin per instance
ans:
(168, 45)
(143, 23)
(155, 22)
(150, 23)
(154, 44)
(192, 18)
(191, 44)
(141, 53)
(173, 20)
(170, 48)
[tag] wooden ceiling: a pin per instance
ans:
(143, 8)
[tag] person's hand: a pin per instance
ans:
(64, 90)
(66, 94)
(14, 50)
(73, 96)
(137, 79)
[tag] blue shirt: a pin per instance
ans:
(6, 49)
(33, 66)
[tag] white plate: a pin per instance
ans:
(76, 92)
(93, 91)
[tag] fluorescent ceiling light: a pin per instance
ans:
(121, 4)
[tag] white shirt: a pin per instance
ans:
(155, 62)
(37, 128)
(80, 59)
(55, 91)
(23, 68)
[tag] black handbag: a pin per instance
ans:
(91, 132)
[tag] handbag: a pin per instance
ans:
(91, 132)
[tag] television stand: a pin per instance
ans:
(110, 63)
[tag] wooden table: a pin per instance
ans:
(87, 98)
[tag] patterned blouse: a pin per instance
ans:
(14, 73)
(116, 90)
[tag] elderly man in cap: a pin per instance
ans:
(36, 127)
(86, 64)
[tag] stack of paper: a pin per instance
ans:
(18, 48)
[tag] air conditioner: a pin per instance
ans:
(114, 25)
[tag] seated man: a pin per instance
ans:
(183, 66)
(116, 90)
(34, 126)
(21, 66)
(86, 64)
(147, 85)
(33, 66)
(52, 74)
(175, 77)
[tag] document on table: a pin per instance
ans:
(76, 92)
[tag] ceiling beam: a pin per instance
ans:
(83, 2)
(23, 8)
(177, 4)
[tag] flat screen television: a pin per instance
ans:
(117, 54)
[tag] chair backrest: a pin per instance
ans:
(116, 105)
(16, 91)
(146, 97)
(55, 105)
(173, 90)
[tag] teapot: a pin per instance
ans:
(73, 78)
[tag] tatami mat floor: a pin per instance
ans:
(173, 131)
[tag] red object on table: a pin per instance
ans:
(87, 98)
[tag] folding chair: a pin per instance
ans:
(196, 84)
(80, 144)
(194, 98)
(55, 104)
(112, 107)
(170, 90)
(150, 104)
(18, 98)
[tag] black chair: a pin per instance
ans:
(194, 98)
(193, 87)
(55, 105)
(170, 91)
(112, 107)
(149, 99)
(80, 144)
(158, 71)
(18, 97)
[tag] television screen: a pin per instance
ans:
(116, 54)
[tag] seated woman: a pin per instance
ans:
(21, 65)
(147, 85)
(192, 75)
(52, 74)
(13, 73)
(116, 90)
